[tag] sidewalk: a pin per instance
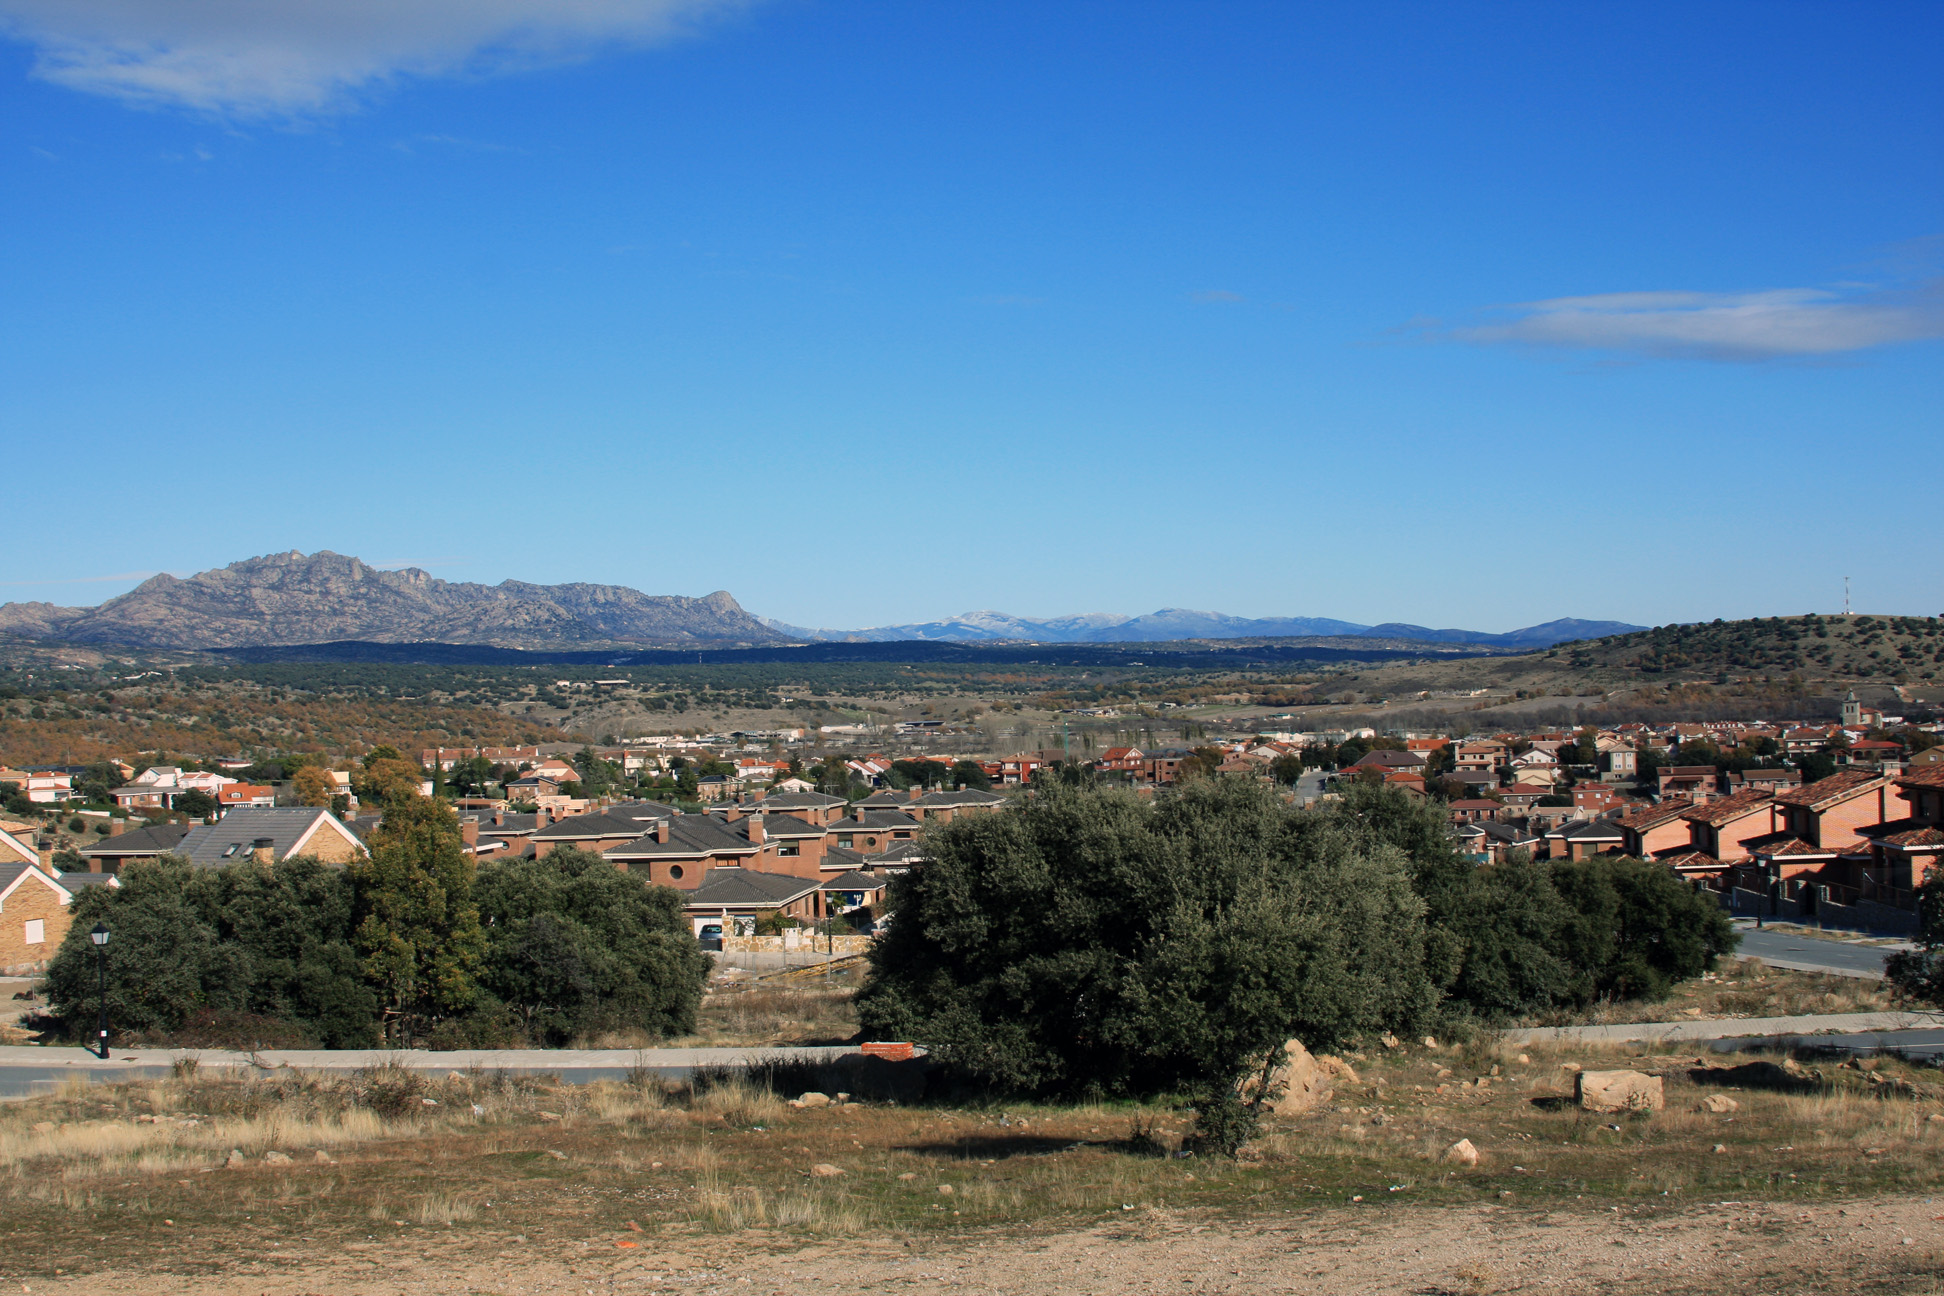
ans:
(1729, 1028)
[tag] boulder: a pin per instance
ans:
(1717, 1103)
(1295, 1085)
(1462, 1153)
(1334, 1067)
(276, 1158)
(1610, 1091)
(814, 1099)
(825, 1170)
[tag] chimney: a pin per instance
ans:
(661, 831)
(757, 834)
(264, 850)
(499, 816)
(116, 827)
(912, 794)
(46, 854)
(469, 831)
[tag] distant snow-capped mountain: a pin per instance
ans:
(1184, 623)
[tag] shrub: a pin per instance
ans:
(1087, 942)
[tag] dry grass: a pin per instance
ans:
(737, 1012)
(1749, 988)
(556, 1163)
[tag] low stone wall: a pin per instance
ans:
(795, 941)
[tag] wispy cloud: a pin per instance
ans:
(87, 580)
(1780, 323)
(286, 58)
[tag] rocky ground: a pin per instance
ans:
(1884, 1245)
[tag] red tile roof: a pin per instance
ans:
(1653, 816)
(1729, 808)
(1916, 837)
(1837, 787)
(1928, 776)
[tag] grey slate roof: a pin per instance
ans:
(229, 838)
(777, 825)
(886, 800)
(1588, 830)
(688, 837)
(155, 839)
(511, 825)
(865, 820)
(739, 888)
(961, 797)
(798, 801)
(75, 881)
(625, 820)
(855, 881)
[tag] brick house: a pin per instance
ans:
(232, 795)
(1655, 831)
(33, 918)
(1728, 828)
(270, 836)
(152, 841)
(1831, 812)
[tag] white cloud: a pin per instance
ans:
(293, 57)
(1781, 323)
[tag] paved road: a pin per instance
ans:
(1809, 954)
(1730, 1028)
(26, 1069)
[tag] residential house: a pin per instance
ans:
(1688, 782)
(1490, 842)
(42, 787)
(1907, 850)
(18, 848)
(810, 806)
(1925, 759)
(1775, 780)
(733, 898)
(1654, 831)
(1729, 827)
(151, 841)
(1121, 760)
(682, 850)
(1473, 811)
(1580, 839)
(1488, 756)
(1592, 800)
(943, 806)
(270, 836)
(232, 795)
(1830, 813)
(1388, 761)
(617, 825)
(871, 831)
(33, 917)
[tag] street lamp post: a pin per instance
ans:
(100, 937)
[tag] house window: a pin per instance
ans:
(843, 839)
(789, 848)
(675, 870)
(902, 836)
(36, 931)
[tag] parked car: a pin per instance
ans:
(711, 936)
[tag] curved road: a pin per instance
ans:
(1809, 954)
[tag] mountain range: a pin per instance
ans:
(1184, 623)
(293, 598)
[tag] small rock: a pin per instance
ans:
(1606, 1091)
(841, 1097)
(455, 1075)
(1462, 1153)
(235, 1158)
(907, 1176)
(145, 1119)
(556, 1154)
(1390, 1041)
(276, 1158)
(549, 1116)
(1717, 1103)
(324, 1158)
(1430, 1041)
(1721, 1147)
(1524, 1060)
(946, 1190)
(825, 1170)
(429, 1102)
(478, 1110)
(813, 1099)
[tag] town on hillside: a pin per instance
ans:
(1840, 823)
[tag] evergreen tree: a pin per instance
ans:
(418, 933)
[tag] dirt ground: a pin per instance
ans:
(1893, 1245)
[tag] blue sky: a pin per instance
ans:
(1460, 314)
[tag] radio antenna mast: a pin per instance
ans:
(1846, 611)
